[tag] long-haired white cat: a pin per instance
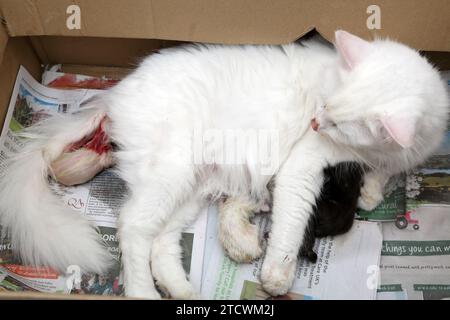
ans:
(379, 103)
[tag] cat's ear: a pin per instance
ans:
(401, 128)
(351, 48)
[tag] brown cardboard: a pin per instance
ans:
(421, 24)
(3, 41)
(95, 51)
(114, 34)
(440, 59)
(18, 52)
(116, 73)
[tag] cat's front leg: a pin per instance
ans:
(372, 190)
(297, 186)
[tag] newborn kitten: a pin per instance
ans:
(336, 206)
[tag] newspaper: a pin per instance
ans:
(54, 78)
(346, 267)
(98, 200)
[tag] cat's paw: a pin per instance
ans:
(238, 236)
(265, 208)
(142, 292)
(171, 281)
(241, 243)
(371, 195)
(264, 205)
(184, 291)
(277, 275)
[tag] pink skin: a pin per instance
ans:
(314, 124)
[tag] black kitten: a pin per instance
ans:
(336, 207)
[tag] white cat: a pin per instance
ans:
(379, 103)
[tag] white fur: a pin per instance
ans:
(372, 190)
(42, 229)
(385, 83)
(166, 265)
(238, 236)
(157, 112)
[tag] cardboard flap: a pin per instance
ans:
(3, 41)
(421, 24)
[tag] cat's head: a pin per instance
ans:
(390, 100)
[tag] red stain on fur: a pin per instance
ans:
(98, 141)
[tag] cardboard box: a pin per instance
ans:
(109, 36)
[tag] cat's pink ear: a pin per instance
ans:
(352, 49)
(401, 128)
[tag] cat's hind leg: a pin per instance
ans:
(166, 260)
(151, 203)
(238, 236)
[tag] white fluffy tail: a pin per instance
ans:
(42, 229)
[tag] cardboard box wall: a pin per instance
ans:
(115, 34)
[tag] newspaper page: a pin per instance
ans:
(346, 267)
(54, 78)
(393, 205)
(99, 200)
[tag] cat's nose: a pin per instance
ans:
(314, 124)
